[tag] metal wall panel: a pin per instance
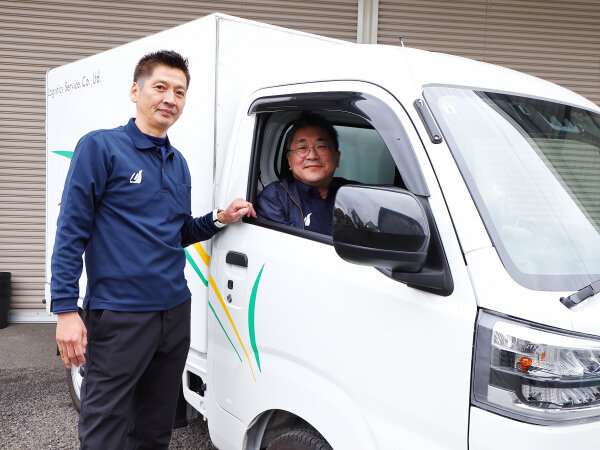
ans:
(36, 36)
(552, 39)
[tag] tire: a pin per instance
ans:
(299, 440)
(74, 379)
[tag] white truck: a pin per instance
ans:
(455, 304)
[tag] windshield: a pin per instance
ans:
(533, 169)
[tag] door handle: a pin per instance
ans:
(237, 259)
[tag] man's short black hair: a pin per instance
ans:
(169, 58)
(309, 119)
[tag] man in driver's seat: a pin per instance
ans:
(305, 199)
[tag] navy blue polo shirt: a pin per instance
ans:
(318, 211)
(128, 208)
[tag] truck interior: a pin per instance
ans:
(364, 156)
(374, 150)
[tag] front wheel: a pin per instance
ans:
(299, 440)
(74, 379)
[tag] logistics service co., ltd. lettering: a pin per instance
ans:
(63, 87)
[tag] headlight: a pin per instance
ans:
(535, 374)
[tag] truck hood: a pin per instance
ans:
(495, 290)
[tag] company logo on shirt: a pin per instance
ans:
(307, 220)
(136, 177)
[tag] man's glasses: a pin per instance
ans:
(304, 150)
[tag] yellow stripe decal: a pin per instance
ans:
(202, 253)
(214, 286)
(206, 258)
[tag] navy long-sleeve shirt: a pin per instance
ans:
(294, 203)
(129, 209)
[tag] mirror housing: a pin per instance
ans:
(384, 227)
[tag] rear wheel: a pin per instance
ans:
(299, 440)
(74, 379)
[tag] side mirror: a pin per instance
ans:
(380, 227)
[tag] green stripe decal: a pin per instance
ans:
(63, 153)
(217, 317)
(251, 309)
(193, 264)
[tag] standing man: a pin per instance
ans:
(127, 205)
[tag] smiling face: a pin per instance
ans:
(159, 100)
(316, 168)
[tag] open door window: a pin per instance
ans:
(374, 148)
(375, 151)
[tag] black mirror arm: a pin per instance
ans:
(434, 280)
(435, 277)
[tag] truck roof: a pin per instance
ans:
(409, 70)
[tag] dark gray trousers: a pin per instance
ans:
(134, 363)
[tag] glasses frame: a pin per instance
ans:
(322, 152)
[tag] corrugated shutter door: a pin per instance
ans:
(552, 39)
(441, 26)
(36, 36)
(332, 18)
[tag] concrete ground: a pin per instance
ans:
(35, 407)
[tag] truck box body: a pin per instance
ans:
(370, 355)
(86, 95)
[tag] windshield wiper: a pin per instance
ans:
(581, 295)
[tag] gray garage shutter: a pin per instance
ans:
(552, 39)
(36, 36)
